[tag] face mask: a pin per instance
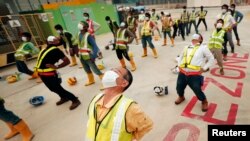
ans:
(122, 24)
(85, 18)
(80, 26)
(141, 12)
(108, 22)
(219, 25)
(24, 39)
(109, 79)
(146, 18)
(224, 11)
(58, 31)
(232, 8)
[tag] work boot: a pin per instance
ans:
(221, 71)
(73, 63)
(179, 100)
(172, 42)
(74, 104)
(154, 53)
(12, 132)
(24, 130)
(144, 52)
(204, 105)
(34, 75)
(61, 101)
(164, 42)
(122, 61)
(238, 42)
(91, 79)
(132, 62)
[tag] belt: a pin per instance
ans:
(84, 50)
(120, 42)
(47, 73)
(189, 73)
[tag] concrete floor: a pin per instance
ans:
(227, 95)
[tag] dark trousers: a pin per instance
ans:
(73, 51)
(178, 29)
(8, 116)
(236, 33)
(204, 21)
(228, 38)
(185, 28)
(54, 85)
(122, 52)
(145, 40)
(195, 82)
(22, 67)
(195, 27)
(165, 33)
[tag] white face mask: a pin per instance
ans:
(108, 22)
(24, 39)
(85, 18)
(58, 31)
(80, 26)
(224, 11)
(109, 79)
(146, 18)
(142, 12)
(219, 25)
(122, 24)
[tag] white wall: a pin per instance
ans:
(198, 3)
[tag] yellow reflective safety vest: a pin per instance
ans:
(186, 60)
(121, 39)
(113, 126)
(217, 39)
(131, 23)
(226, 18)
(202, 14)
(184, 17)
(146, 29)
(192, 16)
(40, 58)
(84, 48)
(66, 40)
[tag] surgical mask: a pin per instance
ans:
(233, 8)
(219, 25)
(122, 24)
(85, 18)
(109, 79)
(58, 31)
(24, 39)
(224, 11)
(141, 12)
(80, 26)
(108, 22)
(146, 18)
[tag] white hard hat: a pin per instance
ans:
(51, 38)
(196, 37)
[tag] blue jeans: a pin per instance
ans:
(195, 82)
(8, 116)
(22, 67)
(88, 65)
(146, 39)
(165, 33)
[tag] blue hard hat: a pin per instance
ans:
(37, 100)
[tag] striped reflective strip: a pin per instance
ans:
(118, 121)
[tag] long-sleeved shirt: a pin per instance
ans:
(137, 122)
(199, 58)
(238, 16)
(229, 21)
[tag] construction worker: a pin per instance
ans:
(113, 26)
(141, 19)
(167, 23)
(25, 51)
(123, 38)
(191, 69)
(146, 32)
(93, 26)
(178, 28)
(132, 25)
(185, 19)
(15, 124)
(238, 16)
(192, 20)
(215, 43)
(202, 17)
(47, 65)
(154, 18)
(112, 116)
(88, 51)
(67, 40)
(229, 24)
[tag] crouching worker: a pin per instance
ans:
(47, 69)
(15, 124)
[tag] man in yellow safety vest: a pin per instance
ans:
(191, 69)
(202, 17)
(113, 116)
